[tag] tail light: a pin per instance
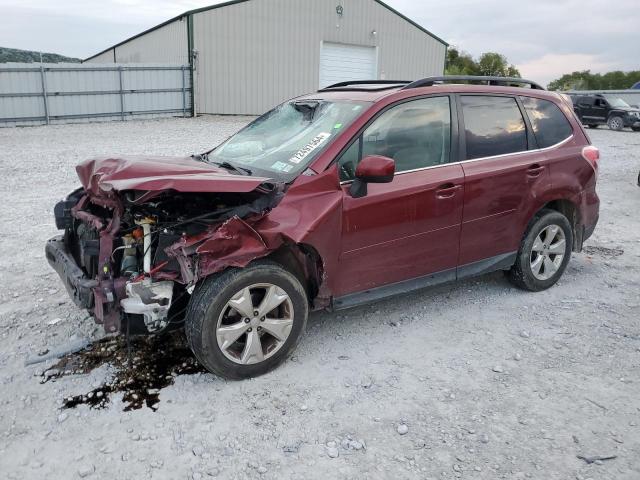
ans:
(592, 155)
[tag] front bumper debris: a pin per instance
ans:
(79, 287)
(152, 300)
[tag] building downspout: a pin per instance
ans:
(192, 56)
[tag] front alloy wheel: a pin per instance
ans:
(244, 322)
(255, 323)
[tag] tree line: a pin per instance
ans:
(586, 80)
(496, 64)
(29, 56)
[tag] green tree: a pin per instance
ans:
(28, 56)
(585, 80)
(460, 63)
(496, 65)
(490, 63)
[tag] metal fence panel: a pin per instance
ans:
(32, 94)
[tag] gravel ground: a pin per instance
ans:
(475, 380)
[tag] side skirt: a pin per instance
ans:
(499, 262)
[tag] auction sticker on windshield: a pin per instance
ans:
(310, 147)
(282, 167)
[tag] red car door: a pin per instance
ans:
(409, 228)
(502, 179)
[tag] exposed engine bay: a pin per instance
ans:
(138, 254)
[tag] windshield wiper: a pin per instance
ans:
(204, 157)
(233, 168)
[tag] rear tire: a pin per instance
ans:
(615, 123)
(245, 322)
(544, 253)
(593, 125)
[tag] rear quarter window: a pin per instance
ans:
(549, 124)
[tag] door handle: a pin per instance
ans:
(535, 170)
(447, 190)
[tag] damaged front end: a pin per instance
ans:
(132, 257)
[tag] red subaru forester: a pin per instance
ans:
(359, 191)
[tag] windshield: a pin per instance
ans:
(286, 139)
(617, 102)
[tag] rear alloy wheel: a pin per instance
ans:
(246, 321)
(544, 252)
(615, 123)
(547, 253)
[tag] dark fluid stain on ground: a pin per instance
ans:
(603, 251)
(152, 364)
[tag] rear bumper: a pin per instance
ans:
(79, 287)
(589, 214)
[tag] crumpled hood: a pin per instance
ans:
(105, 174)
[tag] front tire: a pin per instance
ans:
(544, 252)
(245, 322)
(635, 129)
(615, 123)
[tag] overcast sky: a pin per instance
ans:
(543, 38)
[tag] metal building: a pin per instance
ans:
(249, 55)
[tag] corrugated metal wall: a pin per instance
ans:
(256, 54)
(167, 44)
(104, 57)
(60, 93)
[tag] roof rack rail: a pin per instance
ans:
(384, 84)
(431, 81)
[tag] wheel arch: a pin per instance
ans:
(570, 210)
(304, 261)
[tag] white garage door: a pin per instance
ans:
(340, 62)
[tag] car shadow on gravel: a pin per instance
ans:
(142, 367)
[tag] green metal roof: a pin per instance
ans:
(233, 2)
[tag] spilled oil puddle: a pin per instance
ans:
(603, 251)
(153, 364)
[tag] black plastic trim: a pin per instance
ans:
(492, 264)
(384, 85)
(405, 286)
(496, 81)
(75, 281)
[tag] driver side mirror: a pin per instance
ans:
(372, 169)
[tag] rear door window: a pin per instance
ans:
(549, 124)
(493, 126)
